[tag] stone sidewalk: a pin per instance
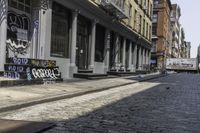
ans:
(23, 96)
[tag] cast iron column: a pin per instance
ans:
(3, 32)
(92, 46)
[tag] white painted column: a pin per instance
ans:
(140, 59)
(42, 34)
(144, 58)
(74, 38)
(3, 32)
(117, 50)
(135, 58)
(92, 46)
(147, 57)
(73, 68)
(124, 54)
(130, 65)
(107, 51)
(44, 31)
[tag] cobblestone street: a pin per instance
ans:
(169, 104)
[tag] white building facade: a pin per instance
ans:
(74, 33)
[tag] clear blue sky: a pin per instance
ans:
(190, 21)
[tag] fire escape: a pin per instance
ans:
(117, 8)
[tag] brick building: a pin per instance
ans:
(161, 32)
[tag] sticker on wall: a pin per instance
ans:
(18, 33)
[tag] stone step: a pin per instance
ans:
(23, 68)
(121, 73)
(33, 73)
(85, 71)
(31, 62)
(89, 75)
(13, 75)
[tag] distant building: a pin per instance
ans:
(198, 53)
(188, 44)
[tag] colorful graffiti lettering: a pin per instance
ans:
(20, 61)
(15, 68)
(14, 75)
(43, 63)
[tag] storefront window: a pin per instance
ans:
(60, 31)
(22, 5)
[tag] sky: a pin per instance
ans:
(190, 21)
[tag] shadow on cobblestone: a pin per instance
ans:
(172, 107)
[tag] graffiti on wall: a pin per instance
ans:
(18, 33)
(14, 75)
(31, 69)
(52, 73)
(31, 62)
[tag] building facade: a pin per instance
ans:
(176, 31)
(88, 35)
(188, 49)
(161, 33)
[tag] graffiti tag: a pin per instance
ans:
(46, 73)
(18, 32)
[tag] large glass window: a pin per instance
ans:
(135, 20)
(100, 43)
(155, 17)
(22, 5)
(140, 25)
(60, 31)
(153, 48)
(154, 29)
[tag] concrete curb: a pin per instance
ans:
(153, 77)
(66, 96)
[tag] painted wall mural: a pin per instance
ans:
(18, 33)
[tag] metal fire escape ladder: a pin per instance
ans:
(115, 7)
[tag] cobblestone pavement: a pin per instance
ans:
(166, 105)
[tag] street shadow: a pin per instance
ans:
(155, 110)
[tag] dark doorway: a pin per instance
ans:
(100, 43)
(82, 43)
